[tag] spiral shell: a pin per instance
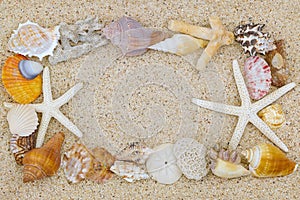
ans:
(32, 40)
(267, 160)
(44, 161)
(273, 116)
(22, 90)
(258, 77)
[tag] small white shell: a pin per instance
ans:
(179, 44)
(129, 171)
(191, 158)
(30, 69)
(32, 40)
(22, 120)
(161, 165)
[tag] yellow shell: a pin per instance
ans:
(44, 161)
(273, 116)
(22, 90)
(267, 160)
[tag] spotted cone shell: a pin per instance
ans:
(257, 77)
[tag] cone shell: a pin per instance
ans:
(22, 90)
(32, 40)
(22, 120)
(44, 161)
(180, 44)
(273, 116)
(19, 145)
(257, 77)
(267, 160)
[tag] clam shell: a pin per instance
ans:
(162, 166)
(30, 69)
(258, 77)
(44, 161)
(180, 44)
(22, 120)
(22, 90)
(32, 40)
(129, 171)
(273, 116)
(266, 160)
(190, 157)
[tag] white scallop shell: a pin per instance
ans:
(32, 40)
(191, 158)
(258, 77)
(161, 165)
(129, 171)
(30, 69)
(22, 120)
(179, 44)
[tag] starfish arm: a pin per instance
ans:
(38, 107)
(67, 123)
(207, 54)
(47, 86)
(257, 106)
(240, 83)
(265, 129)
(216, 23)
(9, 105)
(218, 107)
(42, 129)
(238, 132)
(67, 96)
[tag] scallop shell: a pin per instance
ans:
(131, 37)
(129, 171)
(32, 40)
(258, 77)
(44, 161)
(30, 69)
(22, 120)
(19, 145)
(161, 165)
(273, 116)
(136, 152)
(180, 44)
(77, 163)
(22, 90)
(267, 160)
(226, 164)
(190, 157)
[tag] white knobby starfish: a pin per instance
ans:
(50, 108)
(247, 112)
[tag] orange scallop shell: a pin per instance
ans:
(22, 90)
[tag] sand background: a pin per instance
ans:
(282, 20)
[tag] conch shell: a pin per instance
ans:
(226, 164)
(267, 160)
(44, 161)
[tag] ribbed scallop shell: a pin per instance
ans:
(190, 157)
(267, 160)
(179, 44)
(19, 145)
(273, 116)
(32, 40)
(22, 90)
(44, 161)
(257, 77)
(22, 120)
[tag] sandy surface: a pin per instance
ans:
(282, 21)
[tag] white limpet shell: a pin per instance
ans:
(33, 40)
(22, 120)
(30, 69)
(162, 166)
(180, 44)
(129, 171)
(191, 158)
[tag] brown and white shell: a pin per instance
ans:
(226, 164)
(273, 116)
(33, 40)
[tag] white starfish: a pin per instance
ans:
(247, 112)
(50, 108)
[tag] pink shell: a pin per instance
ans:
(258, 77)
